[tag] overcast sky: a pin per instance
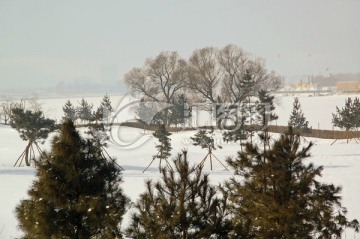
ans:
(45, 42)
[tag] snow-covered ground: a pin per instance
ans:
(133, 149)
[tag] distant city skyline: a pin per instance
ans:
(43, 43)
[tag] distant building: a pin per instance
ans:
(303, 87)
(347, 86)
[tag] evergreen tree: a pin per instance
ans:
(164, 146)
(105, 109)
(275, 195)
(183, 204)
(76, 193)
(297, 120)
(179, 113)
(69, 111)
(248, 84)
(205, 139)
(348, 117)
(264, 109)
(344, 118)
(356, 112)
(239, 133)
(32, 127)
(99, 133)
(84, 111)
(146, 112)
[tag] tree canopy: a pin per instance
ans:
(182, 204)
(32, 127)
(276, 195)
(210, 76)
(297, 119)
(76, 192)
(348, 117)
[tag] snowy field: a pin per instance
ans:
(134, 148)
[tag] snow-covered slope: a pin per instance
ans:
(341, 161)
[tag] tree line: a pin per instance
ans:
(210, 77)
(273, 194)
(84, 111)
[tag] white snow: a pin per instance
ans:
(341, 161)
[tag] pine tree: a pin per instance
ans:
(205, 139)
(32, 127)
(265, 113)
(146, 112)
(265, 108)
(297, 120)
(356, 112)
(76, 193)
(163, 148)
(84, 111)
(105, 109)
(346, 118)
(183, 204)
(275, 195)
(179, 112)
(248, 84)
(239, 132)
(248, 107)
(69, 111)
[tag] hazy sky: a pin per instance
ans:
(43, 42)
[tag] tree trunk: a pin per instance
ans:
(27, 150)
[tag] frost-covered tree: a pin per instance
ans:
(76, 193)
(33, 127)
(297, 119)
(182, 204)
(274, 194)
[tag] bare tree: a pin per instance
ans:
(34, 104)
(218, 75)
(8, 105)
(205, 75)
(235, 64)
(159, 80)
(225, 78)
